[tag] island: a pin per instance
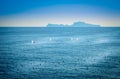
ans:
(75, 24)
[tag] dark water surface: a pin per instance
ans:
(60, 53)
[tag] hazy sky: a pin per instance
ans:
(42, 12)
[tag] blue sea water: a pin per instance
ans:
(59, 53)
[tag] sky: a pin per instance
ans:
(41, 12)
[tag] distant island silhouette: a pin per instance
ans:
(75, 24)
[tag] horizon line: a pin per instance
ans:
(67, 25)
(51, 27)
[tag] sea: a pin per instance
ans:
(59, 53)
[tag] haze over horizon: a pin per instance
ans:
(42, 12)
